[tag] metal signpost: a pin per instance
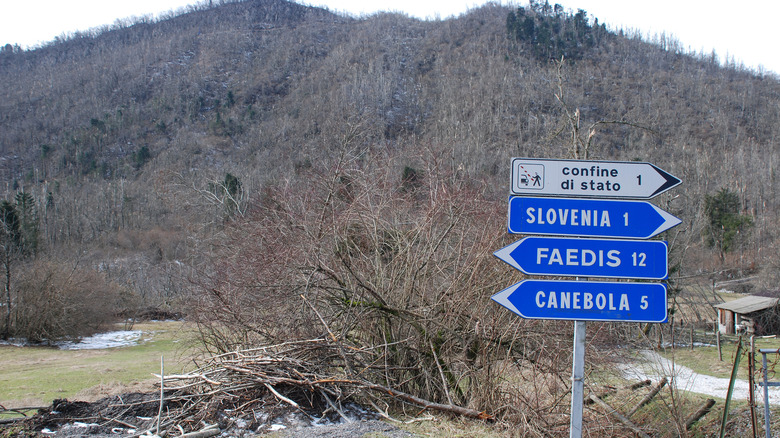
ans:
(546, 200)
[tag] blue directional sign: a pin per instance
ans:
(588, 217)
(586, 300)
(641, 259)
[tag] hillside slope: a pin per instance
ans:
(122, 135)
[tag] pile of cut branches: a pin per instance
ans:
(292, 373)
(321, 379)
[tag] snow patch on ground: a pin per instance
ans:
(121, 338)
(656, 367)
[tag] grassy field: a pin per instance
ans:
(34, 376)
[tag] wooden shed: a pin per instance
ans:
(752, 314)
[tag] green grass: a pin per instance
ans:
(440, 426)
(35, 376)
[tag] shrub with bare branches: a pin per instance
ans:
(54, 301)
(379, 263)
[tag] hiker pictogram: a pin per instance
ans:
(530, 176)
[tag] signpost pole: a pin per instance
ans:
(577, 380)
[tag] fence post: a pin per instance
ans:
(751, 383)
(691, 338)
(766, 393)
(730, 391)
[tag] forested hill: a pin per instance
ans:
(132, 128)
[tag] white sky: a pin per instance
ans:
(743, 30)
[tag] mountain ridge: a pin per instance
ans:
(261, 89)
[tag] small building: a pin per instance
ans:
(752, 314)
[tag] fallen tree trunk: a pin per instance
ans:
(619, 416)
(649, 396)
(611, 391)
(452, 409)
(696, 416)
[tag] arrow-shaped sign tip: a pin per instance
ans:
(505, 254)
(671, 181)
(502, 298)
(669, 221)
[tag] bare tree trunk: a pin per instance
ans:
(7, 265)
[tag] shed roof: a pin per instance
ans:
(749, 304)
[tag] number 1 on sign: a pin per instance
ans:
(625, 217)
(639, 179)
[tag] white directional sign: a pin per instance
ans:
(603, 179)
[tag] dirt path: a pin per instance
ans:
(686, 379)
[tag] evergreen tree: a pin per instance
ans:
(229, 193)
(28, 223)
(550, 34)
(18, 240)
(9, 244)
(411, 179)
(141, 157)
(232, 185)
(9, 228)
(724, 222)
